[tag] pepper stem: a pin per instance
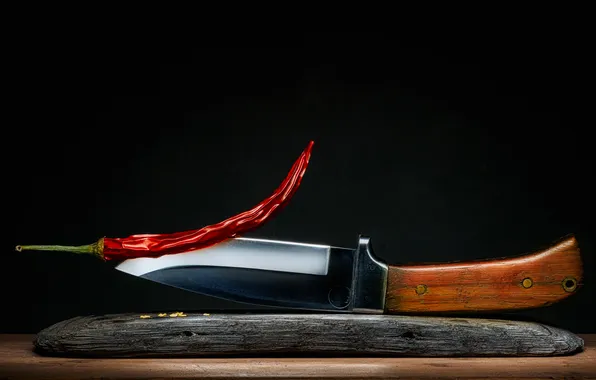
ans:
(95, 249)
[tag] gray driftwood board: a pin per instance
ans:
(200, 335)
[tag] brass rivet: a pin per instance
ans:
(421, 289)
(527, 283)
(569, 284)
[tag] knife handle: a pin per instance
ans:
(530, 281)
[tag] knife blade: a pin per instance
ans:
(354, 280)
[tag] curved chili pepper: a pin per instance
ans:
(155, 245)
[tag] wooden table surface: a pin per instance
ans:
(17, 361)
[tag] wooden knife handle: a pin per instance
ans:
(530, 281)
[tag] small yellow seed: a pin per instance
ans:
(162, 315)
(145, 316)
(206, 314)
(181, 314)
(174, 315)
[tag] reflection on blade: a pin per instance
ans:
(241, 253)
(329, 291)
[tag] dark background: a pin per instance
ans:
(440, 150)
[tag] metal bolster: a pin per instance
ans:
(369, 280)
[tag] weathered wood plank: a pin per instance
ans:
(199, 335)
(18, 361)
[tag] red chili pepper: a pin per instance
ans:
(155, 245)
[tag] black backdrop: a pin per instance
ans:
(439, 151)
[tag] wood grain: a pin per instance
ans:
(133, 335)
(529, 281)
(18, 361)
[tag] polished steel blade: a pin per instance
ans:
(269, 255)
(274, 273)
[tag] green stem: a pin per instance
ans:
(95, 249)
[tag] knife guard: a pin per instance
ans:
(530, 281)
